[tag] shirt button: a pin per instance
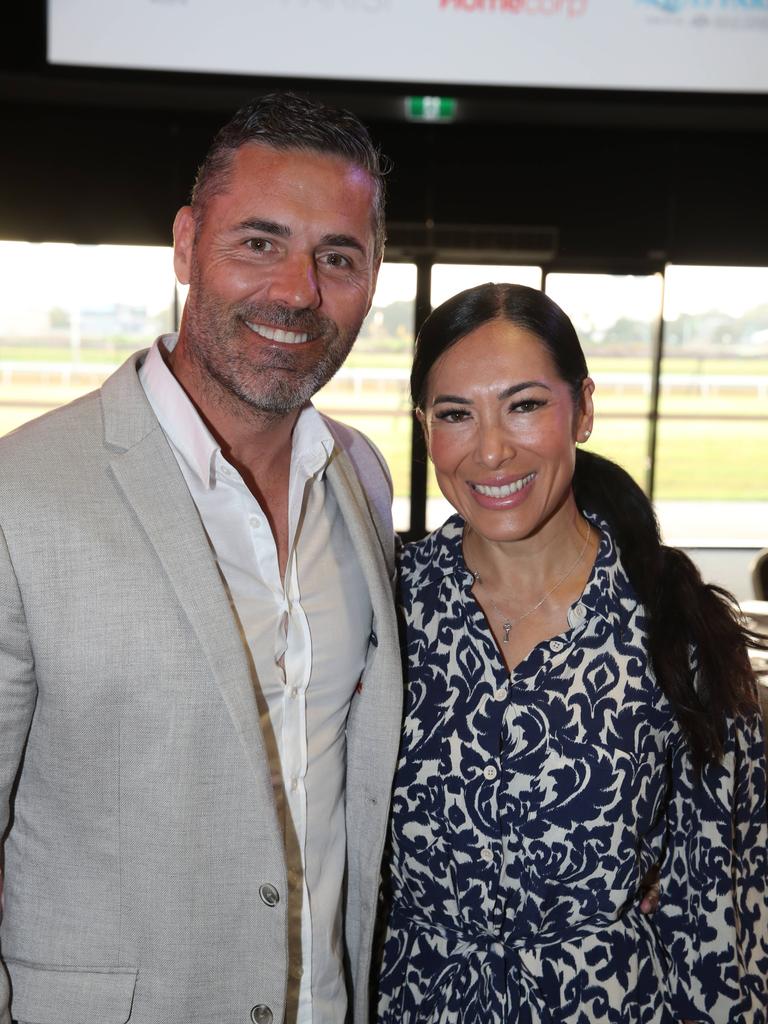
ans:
(486, 855)
(490, 772)
(294, 692)
(261, 1014)
(500, 695)
(579, 612)
(556, 645)
(269, 895)
(254, 521)
(294, 784)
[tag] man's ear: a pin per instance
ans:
(183, 243)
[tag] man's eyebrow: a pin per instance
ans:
(343, 242)
(268, 227)
(506, 393)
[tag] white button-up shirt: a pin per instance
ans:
(307, 636)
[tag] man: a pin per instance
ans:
(199, 670)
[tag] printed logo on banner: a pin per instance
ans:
(352, 6)
(673, 6)
(729, 6)
(569, 8)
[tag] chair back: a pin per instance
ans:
(759, 572)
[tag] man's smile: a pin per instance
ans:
(277, 334)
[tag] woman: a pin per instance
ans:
(580, 710)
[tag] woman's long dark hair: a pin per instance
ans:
(685, 614)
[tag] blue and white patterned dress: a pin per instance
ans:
(527, 809)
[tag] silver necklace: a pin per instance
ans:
(506, 622)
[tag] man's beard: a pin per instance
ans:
(269, 379)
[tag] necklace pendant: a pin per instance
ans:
(506, 626)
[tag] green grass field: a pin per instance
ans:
(710, 456)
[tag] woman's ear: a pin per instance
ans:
(419, 413)
(585, 413)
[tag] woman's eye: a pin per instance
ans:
(452, 415)
(527, 405)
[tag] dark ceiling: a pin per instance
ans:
(621, 181)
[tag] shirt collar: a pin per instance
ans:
(312, 442)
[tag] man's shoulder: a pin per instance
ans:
(369, 465)
(54, 429)
(49, 452)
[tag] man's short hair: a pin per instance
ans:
(287, 121)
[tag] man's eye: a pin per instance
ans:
(259, 244)
(335, 259)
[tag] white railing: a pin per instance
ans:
(703, 384)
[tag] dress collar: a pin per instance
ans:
(608, 592)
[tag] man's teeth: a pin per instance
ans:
(506, 489)
(274, 334)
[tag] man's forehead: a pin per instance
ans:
(269, 184)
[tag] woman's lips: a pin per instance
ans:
(502, 494)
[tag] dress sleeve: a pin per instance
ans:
(713, 912)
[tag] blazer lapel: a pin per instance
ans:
(146, 470)
(367, 543)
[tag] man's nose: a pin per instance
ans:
(294, 282)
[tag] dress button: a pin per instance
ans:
(490, 772)
(269, 895)
(500, 695)
(261, 1014)
(556, 645)
(486, 854)
(579, 612)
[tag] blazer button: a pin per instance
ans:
(261, 1014)
(271, 897)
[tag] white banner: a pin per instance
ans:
(658, 45)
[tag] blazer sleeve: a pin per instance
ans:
(18, 693)
(713, 912)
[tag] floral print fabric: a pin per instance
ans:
(528, 808)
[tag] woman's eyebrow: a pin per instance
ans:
(514, 388)
(506, 393)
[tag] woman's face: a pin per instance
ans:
(501, 429)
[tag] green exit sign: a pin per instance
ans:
(430, 108)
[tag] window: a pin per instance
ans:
(616, 318)
(370, 392)
(71, 314)
(711, 479)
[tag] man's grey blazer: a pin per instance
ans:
(135, 787)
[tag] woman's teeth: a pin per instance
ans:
(506, 489)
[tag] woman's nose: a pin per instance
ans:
(494, 445)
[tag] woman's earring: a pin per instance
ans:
(586, 436)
